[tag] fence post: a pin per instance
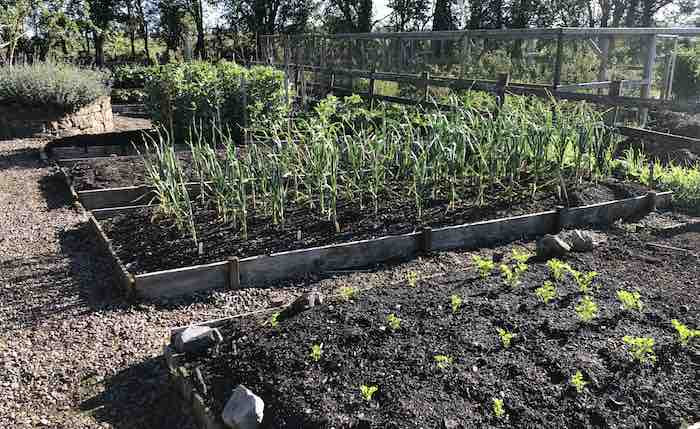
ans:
(286, 68)
(371, 88)
(614, 90)
(424, 83)
(648, 76)
(501, 84)
(556, 81)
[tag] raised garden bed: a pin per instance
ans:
(532, 375)
(154, 262)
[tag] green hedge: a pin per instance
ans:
(196, 93)
(62, 86)
(129, 76)
(686, 77)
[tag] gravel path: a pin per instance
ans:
(73, 352)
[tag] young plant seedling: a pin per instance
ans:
(316, 351)
(685, 334)
(274, 319)
(630, 300)
(546, 292)
(443, 361)
(557, 269)
(510, 275)
(368, 392)
(584, 280)
(393, 321)
(587, 309)
(412, 278)
(485, 266)
(641, 348)
(455, 302)
(498, 409)
(348, 292)
(578, 382)
(521, 257)
(506, 337)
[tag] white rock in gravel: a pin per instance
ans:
(244, 409)
(580, 241)
(552, 245)
(194, 338)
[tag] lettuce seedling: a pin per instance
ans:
(685, 334)
(368, 392)
(521, 257)
(498, 409)
(587, 309)
(393, 321)
(443, 361)
(578, 382)
(584, 280)
(455, 302)
(274, 319)
(412, 278)
(316, 351)
(630, 300)
(506, 337)
(546, 292)
(348, 292)
(641, 348)
(557, 269)
(485, 266)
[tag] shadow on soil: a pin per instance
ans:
(24, 158)
(55, 191)
(140, 396)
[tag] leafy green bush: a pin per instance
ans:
(686, 78)
(133, 76)
(197, 93)
(62, 86)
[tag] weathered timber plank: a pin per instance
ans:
(259, 270)
(122, 197)
(491, 232)
(609, 212)
(657, 136)
(109, 212)
(182, 281)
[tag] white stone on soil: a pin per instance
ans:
(244, 409)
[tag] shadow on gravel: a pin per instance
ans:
(54, 190)
(140, 396)
(59, 287)
(19, 158)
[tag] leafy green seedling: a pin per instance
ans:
(412, 278)
(316, 351)
(485, 266)
(274, 319)
(685, 334)
(443, 361)
(584, 280)
(348, 292)
(455, 302)
(506, 337)
(587, 309)
(641, 348)
(498, 409)
(368, 392)
(546, 292)
(630, 300)
(393, 321)
(521, 257)
(511, 276)
(578, 382)
(557, 269)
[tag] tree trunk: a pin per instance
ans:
(146, 51)
(199, 21)
(99, 40)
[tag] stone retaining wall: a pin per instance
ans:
(22, 121)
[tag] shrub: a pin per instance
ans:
(62, 86)
(133, 76)
(686, 79)
(199, 93)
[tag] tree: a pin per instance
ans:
(13, 17)
(409, 15)
(102, 14)
(348, 16)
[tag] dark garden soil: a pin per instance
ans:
(532, 376)
(146, 243)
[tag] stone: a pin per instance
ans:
(450, 423)
(304, 302)
(579, 241)
(244, 409)
(195, 339)
(552, 246)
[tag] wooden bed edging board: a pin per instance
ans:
(114, 211)
(125, 279)
(203, 416)
(258, 270)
